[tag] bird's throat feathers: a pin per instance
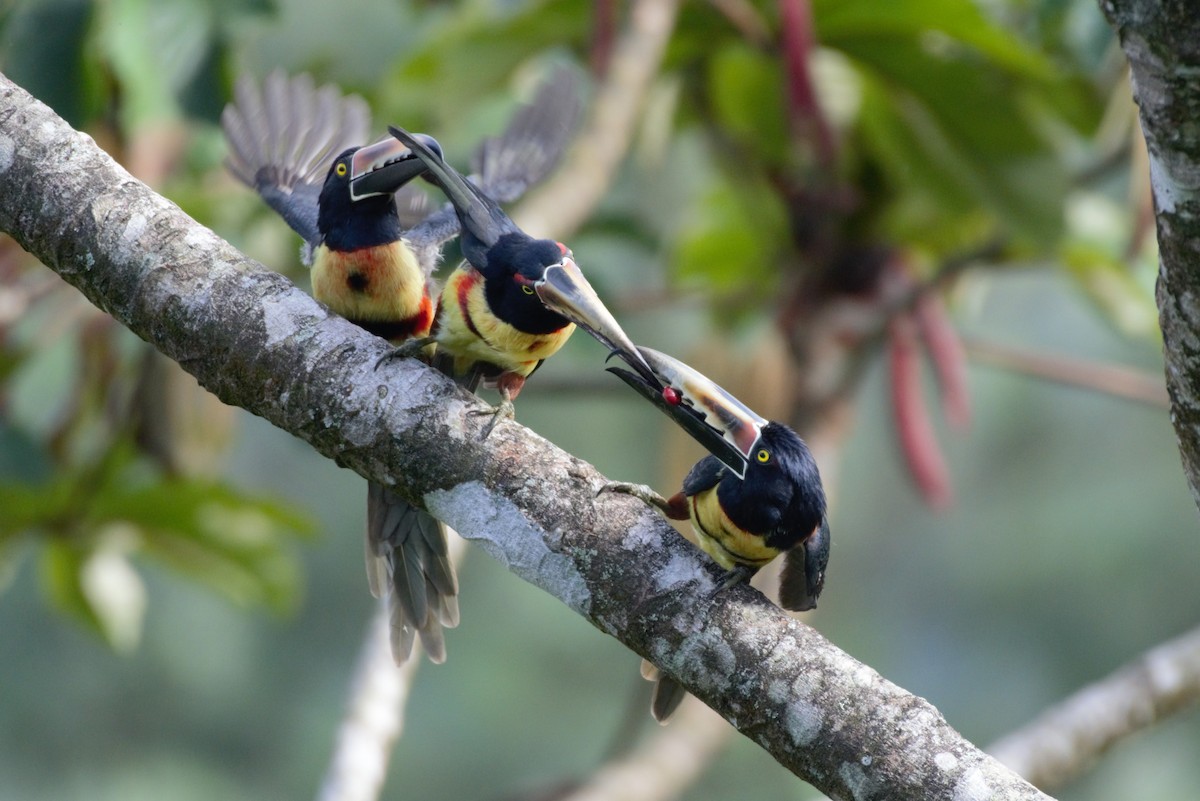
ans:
(347, 225)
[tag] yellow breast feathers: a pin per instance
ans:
(384, 282)
(721, 539)
(468, 329)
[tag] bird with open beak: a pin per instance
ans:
(757, 495)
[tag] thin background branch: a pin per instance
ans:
(1109, 379)
(664, 764)
(374, 716)
(1067, 739)
(566, 201)
(375, 706)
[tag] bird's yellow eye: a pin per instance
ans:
(527, 289)
(763, 456)
(340, 169)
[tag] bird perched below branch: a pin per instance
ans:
(757, 495)
(373, 241)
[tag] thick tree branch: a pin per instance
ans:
(1162, 42)
(255, 340)
(1068, 738)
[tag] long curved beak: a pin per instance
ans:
(726, 427)
(384, 167)
(564, 289)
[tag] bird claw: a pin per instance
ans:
(412, 349)
(503, 410)
(736, 575)
(640, 491)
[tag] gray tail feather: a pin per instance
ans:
(407, 560)
(668, 694)
(803, 575)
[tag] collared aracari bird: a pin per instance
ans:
(513, 302)
(373, 241)
(756, 495)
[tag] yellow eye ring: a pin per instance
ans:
(763, 456)
(527, 289)
(340, 169)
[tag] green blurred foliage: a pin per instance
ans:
(94, 490)
(89, 485)
(957, 125)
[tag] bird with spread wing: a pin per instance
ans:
(373, 241)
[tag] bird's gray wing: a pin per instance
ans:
(536, 137)
(283, 137)
(507, 165)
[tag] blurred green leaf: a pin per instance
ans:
(731, 240)
(29, 506)
(964, 151)
(42, 49)
(155, 48)
(1111, 284)
(97, 586)
(467, 56)
(746, 90)
(61, 567)
(958, 109)
(213, 534)
(944, 26)
(96, 519)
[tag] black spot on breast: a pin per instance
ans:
(357, 282)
